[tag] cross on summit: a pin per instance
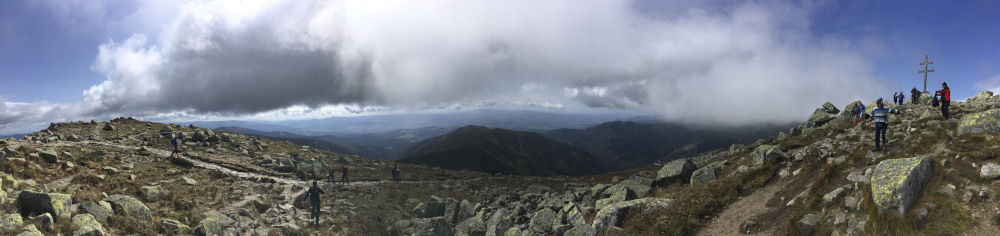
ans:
(925, 71)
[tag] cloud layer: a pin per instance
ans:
(706, 63)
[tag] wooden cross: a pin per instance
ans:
(925, 71)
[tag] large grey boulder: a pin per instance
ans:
(897, 183)
(572, 215)
(990, 171)
(766, 154)
(676, 171)
(615, 195)
(987, 121)
(471, 226)
(582, 230)
(703, 175)
(199, 136)
(109, 127)
(174, 227)
(613, 215)
(101, 210)
(830, 108)
(49, 155)
(34, 203)
(129, 206)
(451, 208)
(88, 226)
(436, 226)
(212, 223)
(541, 222)
(819, 118)
(10, 222)
(640, 189)
(312, 168)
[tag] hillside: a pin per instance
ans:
(390, 145)
(634, 145)
(483, 149)
(936, 177)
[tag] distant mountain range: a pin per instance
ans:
(372, 124)
(484, 149)
(384, 145)
(633, 144)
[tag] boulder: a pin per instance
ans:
(703, 175)
(49, 155)
(471, 226)
(614, 195)
(47, 222)
(819, 118)
(30, 230)
(101, 210)
(94, 121)
(613, 215)
(344, 160)
(572, 215)
(465, 211)
(981, 99)
(199, 136)
(541, 222)
(639, 188)
(109, 127)
(766, 154)
(212, 223)
(436, 226)
(154, 192)
(987, 121)
(33, 203)
(10, 222)
(830, 108)
(498, 223)
(582, 230)
(174, 227)
(451, 207)
(166, 130)
(129, 206)
(928, 114)
(88, 226)
(676, 171)
(896, 183)
(989, 171)
(312, 168)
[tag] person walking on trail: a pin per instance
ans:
(330, 174)
(901, 98)
(945, 94)
(895, 98)
(343, 175)
(915, 95)
(173, 142)
(881, 117)
(395, 174)
(313, 195)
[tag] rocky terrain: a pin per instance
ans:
(936, 177)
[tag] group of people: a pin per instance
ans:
(315, 191)
(880, 113)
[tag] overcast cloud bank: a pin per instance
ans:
(719, 63)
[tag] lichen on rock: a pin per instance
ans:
(896, 183)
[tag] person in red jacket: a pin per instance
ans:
(945, 94)
(343, 176)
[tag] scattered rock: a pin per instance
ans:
(174, 227)
(830, 108)
(613, 215)
(829, 197)
(542, 221)
(809, 220)
(989, 171)
(30, 230)
(101, 210)
(212, 223)
(189, 181)
(129, 206)
(765, 154)
(154, 192)
(436, 226)
(819, 118)
(897, 183)
(703, 175)
(49, 155)
(987, 121)
(88, 226)
(676, 171)
(47, 222)
(10, 222)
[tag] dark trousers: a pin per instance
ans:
(880, 134)
(944, 108)
(315, 212)
(914, 99)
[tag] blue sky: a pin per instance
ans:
(689, 61)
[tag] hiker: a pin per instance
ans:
(330, 175)
(395, 173)
(880, 114)
(861, 117)
(945, 99)
(343, 175)
(173, 142)
(915, 95)
(856, 114)
(895, 98)
(901, 98)
(313, 195)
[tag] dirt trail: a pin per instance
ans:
(729, 221)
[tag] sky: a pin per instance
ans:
(707, 62)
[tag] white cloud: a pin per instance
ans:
(726, 63)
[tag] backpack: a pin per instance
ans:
(934, 102)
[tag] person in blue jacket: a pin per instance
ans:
(173, 142)
(880, 114)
